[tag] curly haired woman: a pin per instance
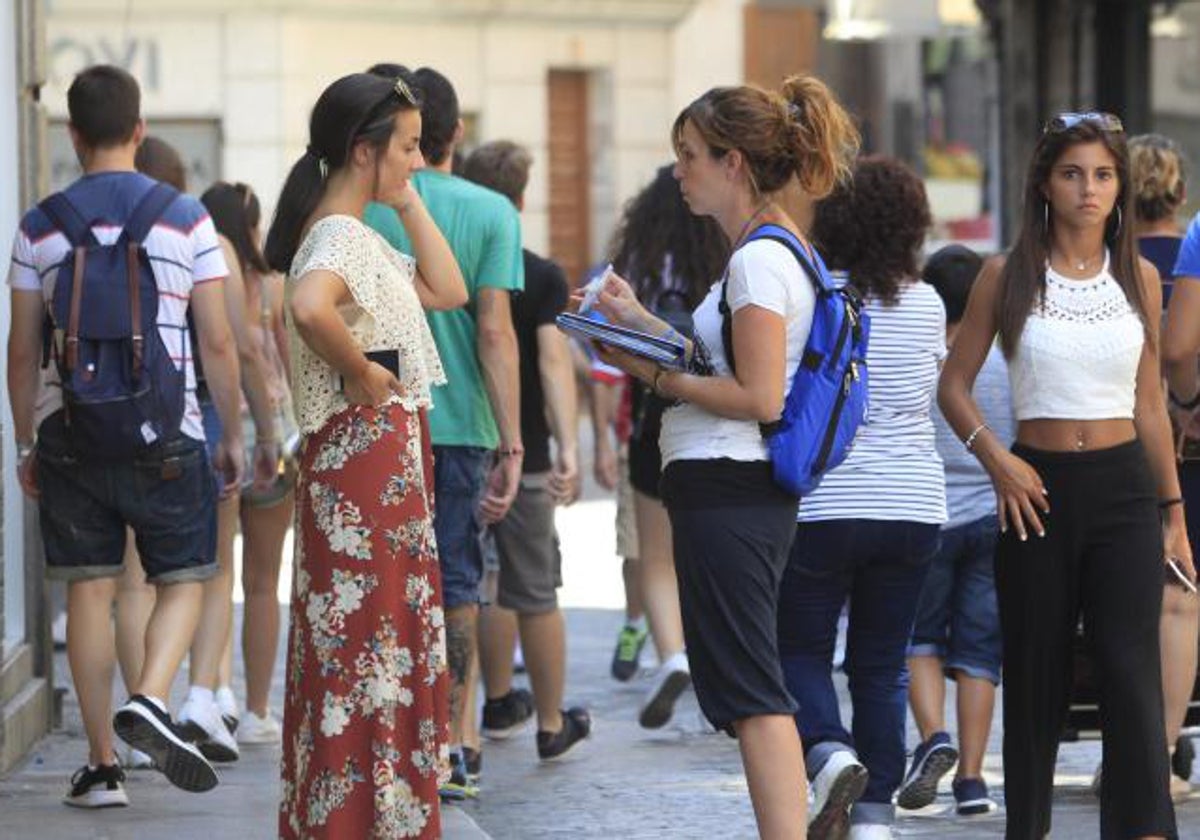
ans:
(868, 531)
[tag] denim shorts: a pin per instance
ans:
(957, 617)
(166, 495)
(459, 477)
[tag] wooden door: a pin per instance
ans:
(569, 175)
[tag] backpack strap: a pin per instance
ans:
(153, 204)
(789, 240)
(148, 211)
(67, 221)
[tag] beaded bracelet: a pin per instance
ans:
(969, 443)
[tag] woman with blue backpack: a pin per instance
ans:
(738, 149)
(866, 533)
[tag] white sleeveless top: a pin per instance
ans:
(384, 314)
(1078, 355)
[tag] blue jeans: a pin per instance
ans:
(880, 567)
(957, 617)
(459, 480)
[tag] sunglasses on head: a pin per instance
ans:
(1069, 119)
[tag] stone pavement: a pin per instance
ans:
(624, 783)
(243, 806)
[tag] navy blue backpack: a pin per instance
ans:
(121, 391)
(827, 400)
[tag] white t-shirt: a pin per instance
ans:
(893, 471)
(762, 273)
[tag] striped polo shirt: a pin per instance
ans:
(893, 471)
(183, 251)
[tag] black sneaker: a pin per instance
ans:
(473, 759)
(1183, 758)
(627, 656)
(458, 787)
(577, 725)
(141, 724)
(506, 715)
(97, 787)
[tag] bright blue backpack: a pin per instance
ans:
(827, 401)
(121, 391)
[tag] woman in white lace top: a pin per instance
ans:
(365, 713)
(1088, 498)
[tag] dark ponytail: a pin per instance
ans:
(235, 214)
(357, 108)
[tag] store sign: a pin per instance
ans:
(178, 63)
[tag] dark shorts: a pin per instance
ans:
(732, 528)
(166, 495)
(530, 563)
(459, 477)
(957, 617)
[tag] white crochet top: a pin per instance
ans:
(1078, 355)
(384, 314)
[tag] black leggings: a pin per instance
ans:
(1102, 556)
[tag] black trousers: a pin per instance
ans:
(1102, 556)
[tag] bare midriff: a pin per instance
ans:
(1075, 435)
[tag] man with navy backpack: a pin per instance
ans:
(108, 431)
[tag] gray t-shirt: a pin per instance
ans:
(969, 493)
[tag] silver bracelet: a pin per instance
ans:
(969, 443)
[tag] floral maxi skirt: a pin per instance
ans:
(365, 722)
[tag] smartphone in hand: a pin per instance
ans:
(389, 359)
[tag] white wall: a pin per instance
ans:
(260, 72)
(14, 548)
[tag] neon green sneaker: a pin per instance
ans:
(630, 642)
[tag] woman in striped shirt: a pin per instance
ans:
(867, 532)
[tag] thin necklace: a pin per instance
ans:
(1082, 265)
(750, 221)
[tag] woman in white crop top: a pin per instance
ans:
(738, 148)
(1088, 498)
(366, 709)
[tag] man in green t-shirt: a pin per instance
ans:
(475, 421)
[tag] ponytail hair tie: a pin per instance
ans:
(322, 161)
(795, 112)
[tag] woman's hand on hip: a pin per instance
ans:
(1021, 498)
(374, 386)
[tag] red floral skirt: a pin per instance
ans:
(365, 722)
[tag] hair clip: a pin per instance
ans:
(795, 112)
(322, 161)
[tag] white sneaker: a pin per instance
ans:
(200, 722)
(134, 759)
(228, 706)
(259, 730)
(670, 681)
(871, 831)
(835, 788)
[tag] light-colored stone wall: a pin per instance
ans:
(259, 67)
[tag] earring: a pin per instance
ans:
(1046, 217)
(1117, 229)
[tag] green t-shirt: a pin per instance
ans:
(484, 232)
